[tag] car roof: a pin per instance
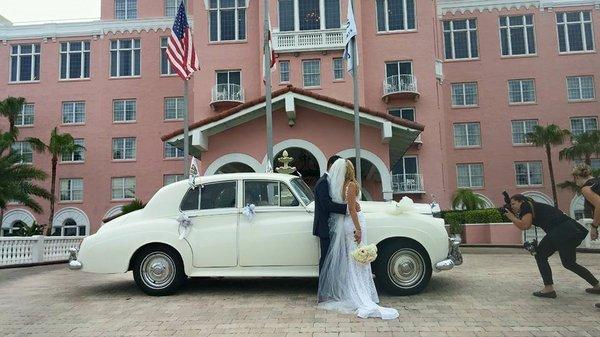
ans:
(238, 176)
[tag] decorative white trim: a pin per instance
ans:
(14, 215)
(470, 6)
(539, 196)
(233, 158)
(384, 171)
(113, 211)
(577, 203)
(303, 144)
(74, 213)
(207, 4)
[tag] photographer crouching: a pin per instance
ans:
(563, 234)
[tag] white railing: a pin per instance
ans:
(36, 249)
(399, 84)
(227, 93)
(407, 183)
(295, 41)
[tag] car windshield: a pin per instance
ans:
(303, 191)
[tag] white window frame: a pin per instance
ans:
(35, 54)
(71, 189)
(164, 45)
(387, 19)
(121, 144)
(236, 8)
(84, 51)
(167, 154)
(340, 69)
(72, 113)
(124, 186)
(169, 6)
(323, 16)
(125, 103)
(70, 157)
(470, 175)
(521, 91)
(469, 32)
(175, 177)
(304, 74)
(528, 163)
(130, 14)
(287, 72)
(28, 110)
(523, 123)
(580, 88)
(179, 111)
(133, 50)
(508, 28)
(466, 127)
(464, 95)
(582, 22)
(583, 120)
(23, 148)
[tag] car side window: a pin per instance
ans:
(268, 193)
(212, 196)
(287, 197)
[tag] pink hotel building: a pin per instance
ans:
(475, 75)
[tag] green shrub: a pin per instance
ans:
(458, 218)
(132, 206)
(34, 229)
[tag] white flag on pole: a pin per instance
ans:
(350, 39)
(194, 171)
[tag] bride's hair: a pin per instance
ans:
(350, 173)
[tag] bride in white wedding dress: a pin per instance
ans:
(344, 284)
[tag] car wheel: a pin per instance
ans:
(158, 271)
(403, 268)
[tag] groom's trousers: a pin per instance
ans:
(324, 250)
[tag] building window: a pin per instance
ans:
(395, 15)
(520, 129)
(405, 113)
(311, 73)
(172, 178)
(575, 31)
(71, 189)
(171, 7)
(306, 15)
(123, 188)
(467, 135)
(581, 125)
(229, 85)
(460, 39)
(469, 175)
(125, 9)
(172, 152)
(521, 91)
(123, 148)
(338, 69)
(516, 35)
(25, 62)
(77, 156)
(124, 110)
(580, 88)
(23, 149)
(284, 71)
(464, 94)
(165, 64)
(73, 112)
(227, 19)
(74, 60)
(125, 57)
(26, 116)
(174, 108)
(528, 173)
(70, 228)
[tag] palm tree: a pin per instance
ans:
(583, 146)
(10, 108)
(59, 143)
(465, 198)
(546, 137)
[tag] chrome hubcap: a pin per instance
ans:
(406, 268)
(157, 270)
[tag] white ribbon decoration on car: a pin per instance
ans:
(405, 205)
(184, 225)
(249, 212)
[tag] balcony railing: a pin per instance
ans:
(407, 183)
(400, 86)
(297, 41)
(227, 94)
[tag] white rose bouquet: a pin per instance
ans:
(365, 254)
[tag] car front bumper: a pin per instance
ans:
(73, 263)
(454, 256)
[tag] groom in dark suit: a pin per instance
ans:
(324, 206)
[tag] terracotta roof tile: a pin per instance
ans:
(289, 88)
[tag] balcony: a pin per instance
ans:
(400, 87)
(314, 40)
(407, 184)
(225, 96)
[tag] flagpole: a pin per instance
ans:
(267, 72)
(186, 124)
(356, 108)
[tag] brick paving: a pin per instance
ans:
(490, 295)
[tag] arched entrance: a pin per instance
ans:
(15, 219)
(234, 168)
(305, 162)
(371, 180)
(233, 163)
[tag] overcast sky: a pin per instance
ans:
(19, 11)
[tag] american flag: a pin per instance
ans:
(272, 65)
(180, 49)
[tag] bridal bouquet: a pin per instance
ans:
(365, 254)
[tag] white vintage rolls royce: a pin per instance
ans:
(255, 225)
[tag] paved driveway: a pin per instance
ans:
(488, 296)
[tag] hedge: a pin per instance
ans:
(456, 219)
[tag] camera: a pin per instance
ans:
(506, 208)
(531, 246)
